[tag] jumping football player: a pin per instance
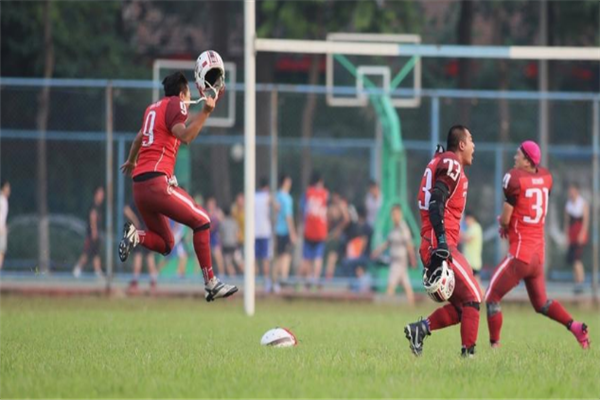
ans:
(526, 187)
(152, 160)
(448, 276)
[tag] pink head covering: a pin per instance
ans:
(531, 151)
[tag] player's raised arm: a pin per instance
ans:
(188, 133)
(209, 75)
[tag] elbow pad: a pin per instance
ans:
(437, 205)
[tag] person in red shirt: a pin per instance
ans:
(152, 160)
(442, 199)
(314, 206)
(526, 187)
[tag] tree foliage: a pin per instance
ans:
(90, 40)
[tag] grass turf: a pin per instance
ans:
(168, 348)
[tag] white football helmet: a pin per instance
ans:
(210, 74)
(279, 337)
(440, 284)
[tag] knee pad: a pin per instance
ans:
(202, 227)
(473, 304)
(493, 308)
(544, 309)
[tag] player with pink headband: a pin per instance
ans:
(526, 187)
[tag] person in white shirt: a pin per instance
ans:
(402, 254)
(373, 202)
(4, 195)
(263, 231)
(577, 220)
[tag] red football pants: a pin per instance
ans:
(157, 200)
(465, 299)
(507, 275)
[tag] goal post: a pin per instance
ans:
(423, 50)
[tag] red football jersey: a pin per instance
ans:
(159, 146)
(446, 168)
(528, 193)
(315, 214)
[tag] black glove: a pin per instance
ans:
(441, 253)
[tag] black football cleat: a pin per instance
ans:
(416, 334)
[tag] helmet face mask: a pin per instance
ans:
(439, 285)
(210, 74)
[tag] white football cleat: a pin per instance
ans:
(129, 241)
(216, 289)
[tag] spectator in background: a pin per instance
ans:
(338, 216)
(358, 251)
(91, 247)
(373, 201)
(402, 252)
(237, 212)
(229, 232)
(140, 252)
(472, 240)
(216, 216)
(314, 210)
(577, 219)
(4, 195)
(263, 231)
(285, 231)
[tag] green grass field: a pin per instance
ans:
(172, 348)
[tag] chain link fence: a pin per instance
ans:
(296, 133)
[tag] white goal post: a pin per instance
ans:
(427, 50)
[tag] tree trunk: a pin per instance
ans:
(308, 115)
(219, 155)
(503, 78)
(264, 73)
(42, 124)
(503, 106)
(465, 37)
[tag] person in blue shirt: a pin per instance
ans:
(285, 231)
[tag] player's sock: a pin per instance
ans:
(558, 313)
(443, 317)
(202, 248)
(494, 327)
(152, 241)
(469, 325)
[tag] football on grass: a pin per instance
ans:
(279, 337)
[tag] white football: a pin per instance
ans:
(279, 337)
